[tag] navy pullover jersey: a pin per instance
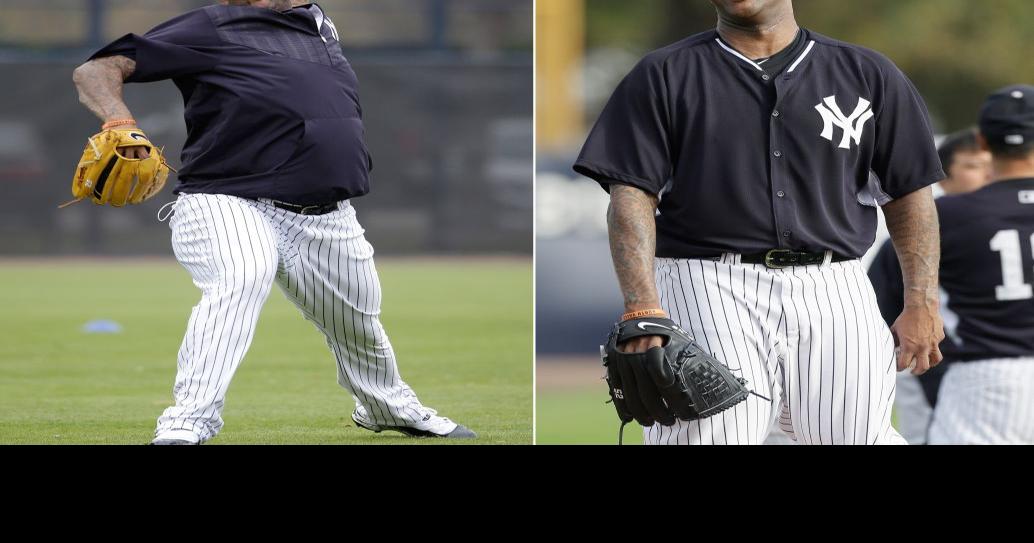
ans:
(987, 270)
(746, 161)
(271, 104)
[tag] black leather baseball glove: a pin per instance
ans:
(677, 381)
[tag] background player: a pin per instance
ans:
(274, 152)
(968, 168)
(987, 268)
(738, 163)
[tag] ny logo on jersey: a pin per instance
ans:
(851, 125)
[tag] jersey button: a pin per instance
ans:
(777, 154)
(786, 233)
(765, 77)
(775, 113)
(780, 194)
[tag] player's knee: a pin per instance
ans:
(250, 278)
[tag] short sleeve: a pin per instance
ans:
(905, 157)
(175, 48)
(630, 142)
(885, 275)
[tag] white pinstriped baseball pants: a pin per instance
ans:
(810, 338)
(986, 402)
(235, 249)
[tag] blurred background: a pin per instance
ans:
(955, 51)
(93, 306)
(446, 86)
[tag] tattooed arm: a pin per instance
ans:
(633, 242)
(912, 222)
(99, 83)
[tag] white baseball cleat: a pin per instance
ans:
(431, 426)
(173, 442)
(176, 437)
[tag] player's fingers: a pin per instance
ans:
(136, 151)
(634, 345)
(936, 356)
(922, 362)
(641, 344)
(905, 355)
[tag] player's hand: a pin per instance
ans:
(133, 152)
(641, 344)
(918, 332)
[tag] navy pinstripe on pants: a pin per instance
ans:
(235, 249)
(808, 337)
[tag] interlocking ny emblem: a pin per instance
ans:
(851, 125)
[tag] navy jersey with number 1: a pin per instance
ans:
(987, 270)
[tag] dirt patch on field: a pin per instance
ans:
(556, 372)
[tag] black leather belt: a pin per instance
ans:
(318, 209)
(784, 258)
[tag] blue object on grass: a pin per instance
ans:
(102, 327)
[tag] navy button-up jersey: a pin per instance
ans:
(746, 161)
(987, 270)
(271, 103)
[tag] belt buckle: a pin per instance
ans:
(770, 254)
(309, 210)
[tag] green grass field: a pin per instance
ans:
(461, 329)
(572, 409)
(579, 416)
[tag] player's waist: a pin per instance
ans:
(305, 209)
(779, 258)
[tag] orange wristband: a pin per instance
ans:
(644, 313)
(118, 122)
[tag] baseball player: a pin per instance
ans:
(274, 153)
(745, 165)
(987, 271)
(968, 168)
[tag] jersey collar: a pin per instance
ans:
(793, 65)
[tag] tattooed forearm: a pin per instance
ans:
(914, 229)
(99, 83)
(633, 241)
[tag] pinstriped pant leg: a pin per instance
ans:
(986, 402)
(230, 251)
(725, 307)
(912, 409)
(332, 279)
(884, 369)
(840, 370)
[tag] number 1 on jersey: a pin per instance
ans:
(1007, 242)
